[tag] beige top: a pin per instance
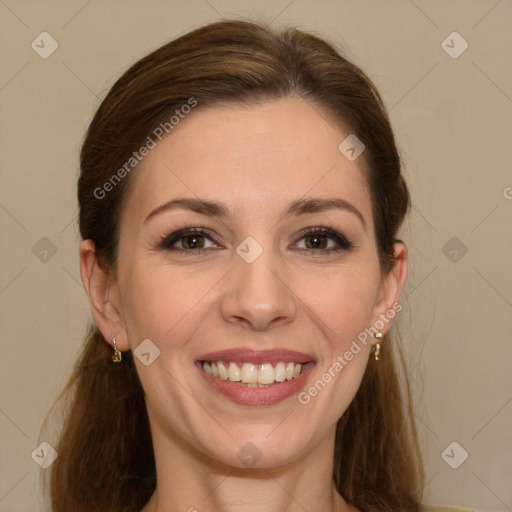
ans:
(440, 508)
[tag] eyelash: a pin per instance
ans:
(167, 241)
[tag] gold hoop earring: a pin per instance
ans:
(117, 355)
(378, 335)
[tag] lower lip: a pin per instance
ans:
(256, 396)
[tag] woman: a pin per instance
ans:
(240, 196)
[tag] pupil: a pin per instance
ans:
(195, 241)
(316, 239)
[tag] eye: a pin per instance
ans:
(187, 240)
(317, 241)
(192, 241)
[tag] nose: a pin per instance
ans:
(259, 294)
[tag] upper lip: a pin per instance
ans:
(255, 356)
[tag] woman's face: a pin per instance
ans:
(258, 280)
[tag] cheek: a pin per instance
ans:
(160, 303)
(341, 306)
(342, 300)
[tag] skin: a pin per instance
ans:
(257, 159)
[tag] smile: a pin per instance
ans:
(253, 375)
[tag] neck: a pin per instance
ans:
(187, 480)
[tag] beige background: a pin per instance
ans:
(452, 118)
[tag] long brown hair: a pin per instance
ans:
(106, 460)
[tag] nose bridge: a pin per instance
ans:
(258, 292)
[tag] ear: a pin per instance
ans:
(390, 288)
(103, 294)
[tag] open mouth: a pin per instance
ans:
(251, 375)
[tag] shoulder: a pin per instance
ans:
(440, 508)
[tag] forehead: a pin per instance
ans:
(257, 158)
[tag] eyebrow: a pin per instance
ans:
(219, 209)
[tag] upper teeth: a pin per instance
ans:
(253, 373)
